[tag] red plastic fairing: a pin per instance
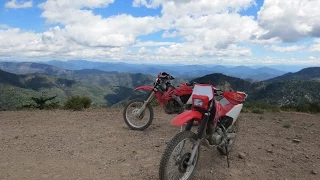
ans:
(183, 89)
(167, 95)
(148, 88)
(234, 97)
(185, 117)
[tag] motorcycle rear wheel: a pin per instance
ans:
(182, 158)
(129, 122)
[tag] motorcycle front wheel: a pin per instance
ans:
(174, 166)
(135, 122)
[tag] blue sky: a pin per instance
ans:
(190, 32)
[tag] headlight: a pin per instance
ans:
(198, 102)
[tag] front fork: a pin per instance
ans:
(201, 131)
(150, 98)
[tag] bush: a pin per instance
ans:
(52, 105)
(308, 108)
(244, 110)
(154, 102)
(78, 103)
(262, 105)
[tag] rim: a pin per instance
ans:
(177, 168)
(136, 121)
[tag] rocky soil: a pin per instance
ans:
(96, 144)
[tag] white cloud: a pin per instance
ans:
(289, 20)
(53, 43)
(312, 58)
(215, 24)
(218, 30)
(192, 49)
(89, 29)
(206, 30)
(66, 4)
(15, 4)
(4, 26)
(176, 8)
(152, 43)
(143, 50)
(316, 46)
(284, 48)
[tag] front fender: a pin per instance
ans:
(184, 117)
(147, 88)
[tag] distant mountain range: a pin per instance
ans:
(311, 73)
(184, 71)
(20, 81)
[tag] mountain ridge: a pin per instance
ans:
(310, 73)
(182, 71)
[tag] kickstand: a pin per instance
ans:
(227, 156)
(226, 145)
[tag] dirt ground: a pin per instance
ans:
(96, 144)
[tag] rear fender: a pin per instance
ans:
(234, 112)
(186, 116)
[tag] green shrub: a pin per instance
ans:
(313, 107)
(78, 103)
(262, 105)
(154, 102)
(244, 110)
(257, 111)
(52, 105)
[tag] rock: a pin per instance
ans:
(241, 155)
(16, 137)
(298, 137)
(157, 145)
(272, 144)
(71, 152)
(313, 171)
(269, 151)
(296, 140)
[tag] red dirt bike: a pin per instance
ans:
(172, 99)
(218, 128)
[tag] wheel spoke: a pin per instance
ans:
(173, 167)
(134, 120)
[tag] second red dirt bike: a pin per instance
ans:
(218, 129)
(173, 99)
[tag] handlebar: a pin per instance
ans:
(191, 83)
